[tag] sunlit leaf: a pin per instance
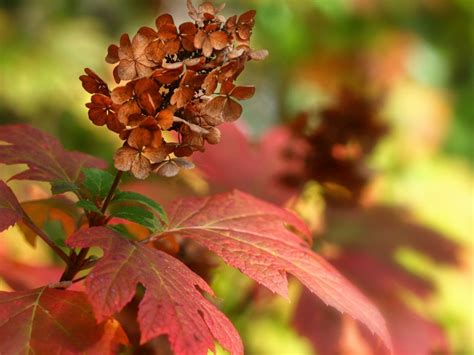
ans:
(10, 209)
(44, 155)
(51, 321)
(253, 236)
(172, 305)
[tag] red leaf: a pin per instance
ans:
(411, 333)
(368, 240)
(46, 158)
(51, 321)
(172, 305)
(257, 168)
(252, 235)
(10, 209)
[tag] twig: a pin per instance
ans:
(111, 193)
(31, 225)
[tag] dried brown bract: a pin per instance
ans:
(338, 146)
(178, 78)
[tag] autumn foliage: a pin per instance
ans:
(133, 273)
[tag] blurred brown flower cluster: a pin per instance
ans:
(179, 79)
(336, 146)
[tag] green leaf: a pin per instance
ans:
(97, 182)
(128, 196)
(60, 187)
(88, 206)
(138, 215)
(122, 230)
(54, 230)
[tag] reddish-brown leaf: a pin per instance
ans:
(172, 305)
(255, 237)
(44, 155)
(51, 321)
(258, 168)
(411, 332)
(10, 209)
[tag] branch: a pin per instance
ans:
(31, 225)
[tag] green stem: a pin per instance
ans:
(77, 263)
(31, 225)
(111, 193)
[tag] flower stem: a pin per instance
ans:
(111, 193)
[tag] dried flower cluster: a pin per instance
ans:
(337, 147)
(180, 79)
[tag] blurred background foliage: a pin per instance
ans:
(415, 54)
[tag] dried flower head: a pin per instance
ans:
(337, 148)
(178, 78)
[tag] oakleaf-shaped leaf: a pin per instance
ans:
(46, 158)
(172, 305)
(51, 321)
(10, 209)
(257, 238)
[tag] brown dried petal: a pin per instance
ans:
(183, 163)
(214, 135)
(156, 51)
(168, 32)
(243, 92)
(114, 124)
(187, 32)
(215, 106)
(122, 94)
(124, 158)
(247, 17)
(156, 155)
(99, 109)
(148, 95)
(207, 48)
(258, 55)
(165, 118)
(93, 84)
(218, 39)
(227, 87)
(199, 39)
(127, 110)
(210, 83)
(167, 169)
(164, 20)
(183, 151)
(127, 70)
(141, 167)
(112, 54)
(139, 138)
(232, 110)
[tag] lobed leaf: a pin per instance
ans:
(88, 206)
(138, 215)
(250, 173)
(60, 187)
(51, 321)
(253, 236)
(130, 196)
(172, 305)
(98, 182)
(46, 158)
(10, 209)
